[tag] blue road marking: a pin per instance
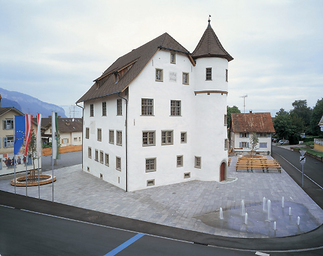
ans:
(124, 245)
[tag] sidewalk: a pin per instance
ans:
(192, 205)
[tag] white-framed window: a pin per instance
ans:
(244, 135)
(87, 133)
(185, 78)
(104, 108)
(148, 138)
(111, 136)
(91, 110)
(119, 107)
(99, 135)
(263, 145)
(106, 159)
(173, 58)
(75, 139)
(8, 124)
(151, 165)
(244, 144)
(183, 137)
(8, 142)
(175, 107)
(187, 175)
(159, 75)
(96, 157)
(89, 152)
(119, 138)
(118, 163)
(167, 137)
(226, 144)
(147, 107)
(208, 74)
(225, 120)
(198, 162)
(179, 161)
(65, 141)
(101, 156)
(150, 182)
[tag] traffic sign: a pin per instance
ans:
(302, 152)
(302, 159)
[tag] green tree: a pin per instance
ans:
(32, 147)
(283, 124)
(316, 117)
(230, 110)
(253, 142)
(303, 112)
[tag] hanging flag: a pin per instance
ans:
(28, 131)
(38, 136)
(19, 133)
(54, 136)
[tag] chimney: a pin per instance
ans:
(250, 111)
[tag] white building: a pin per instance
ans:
(157, 115)
(244, 124)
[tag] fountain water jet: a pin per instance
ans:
(290, 211)
(269, 209)
(298, 220)
(264, 204)
(221, 213)
(246, 218)
(283, 202)
(275, 227)
(243, 210)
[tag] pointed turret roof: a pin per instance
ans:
(210, 46)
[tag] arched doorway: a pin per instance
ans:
(222, 171)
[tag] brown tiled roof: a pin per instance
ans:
(252, 122)
(210, 46)
(136, 60)
(7, 109)
(65, 125)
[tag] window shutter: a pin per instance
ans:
(4, 124)
(247, 144)
(240, 135)
(247, 135)
(240, 144)
(4, 142)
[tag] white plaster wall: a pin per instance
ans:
(113, 122)
(237, 141)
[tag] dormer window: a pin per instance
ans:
(172, 58)
(116, 77)
(208, 74)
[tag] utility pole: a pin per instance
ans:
(244, 102)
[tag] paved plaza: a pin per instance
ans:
(192, 205)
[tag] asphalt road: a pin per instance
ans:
(313, 172)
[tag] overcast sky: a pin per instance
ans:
(54, 49)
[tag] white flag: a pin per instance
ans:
(38, 136)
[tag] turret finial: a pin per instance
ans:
(209, 20)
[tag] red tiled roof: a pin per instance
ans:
(252, 122)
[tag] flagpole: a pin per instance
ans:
(38, 181)
(14, 156)
(14, 162)
(26, 175)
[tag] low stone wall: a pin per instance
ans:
(48, 151)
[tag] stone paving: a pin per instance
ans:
(191, 205)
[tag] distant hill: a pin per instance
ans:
(28, 104)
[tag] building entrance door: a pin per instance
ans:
(222, 172)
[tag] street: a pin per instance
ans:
(313, 169)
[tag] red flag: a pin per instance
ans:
(28, 131)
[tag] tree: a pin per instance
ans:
(230, 110)
(253, 142)
(303, 112)
(32, 147)
(316, 117)
(283, 124)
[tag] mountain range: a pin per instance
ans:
(28, 104)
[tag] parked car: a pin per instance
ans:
(283, 142)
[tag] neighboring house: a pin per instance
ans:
(70, 130)
(7, 142)
(318, 143)
(157, 115)
(244, 124)
(321, 124)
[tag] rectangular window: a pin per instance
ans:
(226, 75)
(106, 160)
(244, 135)
(91, 110)
(8, 142)
(99, 135)
(208, 74)
(119, 138)
(96, 158)
(198, 162)
(187, 175)
(185, 78)
(179, 161)
(175, 107)
(244, 144)
(150, 183)
(87, 133)
(159, 75)
(101, 157)
(183, 137)
(119, 107)
(111, 136)
(263, 145)
(148, 138)
(150, 164)
(8, 124)
(104, 108)
(147, 107)
(226, 144)
(118, 163)
(167, 138)
(173, 58)
(225, 120)
(89, 152)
